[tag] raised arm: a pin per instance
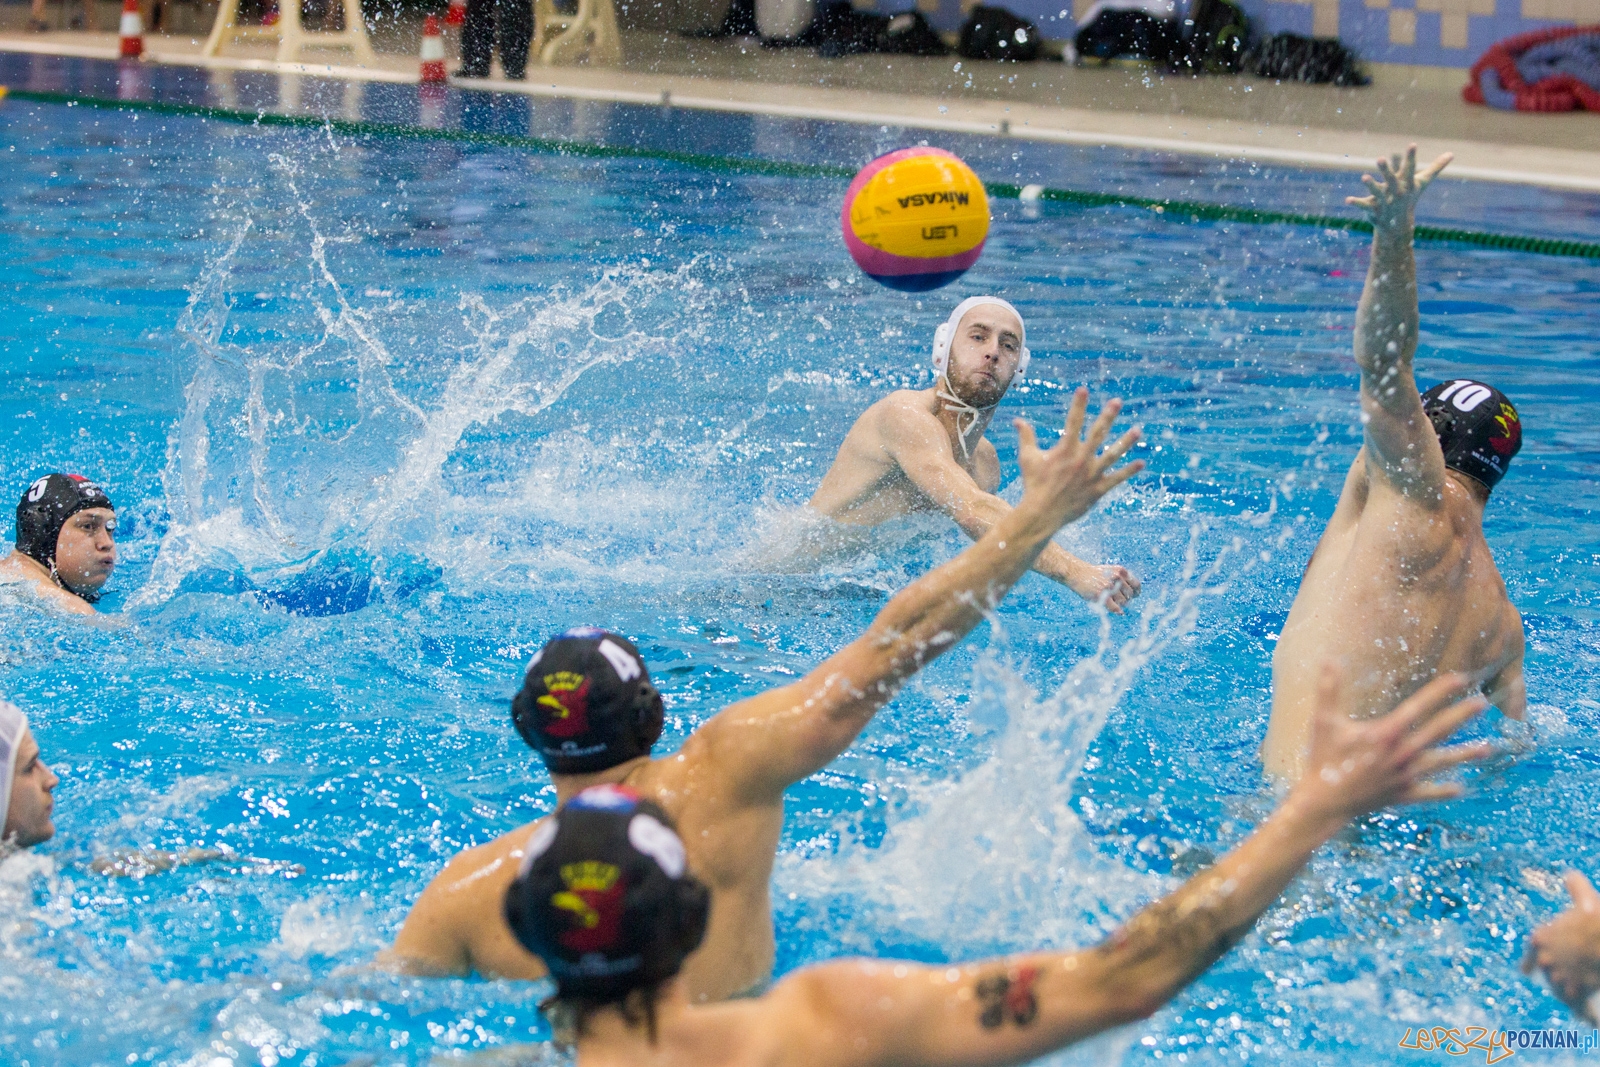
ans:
(916, 441)
(1017, 1009)
(1400, 442)
(761, 746)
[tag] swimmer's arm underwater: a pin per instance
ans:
(769, 742)
(917, 443)
(1400, 441)
(1013, 1010)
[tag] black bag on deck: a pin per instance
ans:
(908, 34)
(841, 30)
(995, 33)
(1291, 57)
(1218, 37)
(1123, 34)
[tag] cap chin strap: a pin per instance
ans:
(967, 415)
(55, 576)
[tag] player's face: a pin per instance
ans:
(86, 550)
(984, 354)
(28, 816)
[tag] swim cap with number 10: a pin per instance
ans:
(915, 219)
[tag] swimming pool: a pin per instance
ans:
(382, 414)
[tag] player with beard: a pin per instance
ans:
(920, 450)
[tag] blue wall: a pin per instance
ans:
(1441, 33)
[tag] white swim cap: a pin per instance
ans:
(13, 724)
(946, 333)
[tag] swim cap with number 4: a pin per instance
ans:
(915, 219)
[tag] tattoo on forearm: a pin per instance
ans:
(1187, 927)
(1008, 996)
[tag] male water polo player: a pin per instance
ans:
(588, 708)
(925, 450)
(605, 894)
(26, 784)
(66, 541)
(1402, 585)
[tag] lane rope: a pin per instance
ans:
(1176, 210)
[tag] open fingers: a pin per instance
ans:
(1410, 172)
(1442, 725)
(1376, 187)
(1433, 170)
(1101, 427)
(1075, 411)
(1027, 440)
(1115, 478)
(1119, 448)
(1362, 201)
(1442, 759)
(1427, 701)
(1423, 792)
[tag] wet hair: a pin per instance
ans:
(605, 898)
(1478, 428)
(586, 703)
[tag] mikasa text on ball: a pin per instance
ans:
(915, 219)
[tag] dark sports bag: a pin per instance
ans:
(1117, 34)
(1321, 60)
(1217, 39)
(995, 33)
(908, 34)
(841, 30)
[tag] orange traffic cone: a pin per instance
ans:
(432, 50)
(457, 14)
(132, 30)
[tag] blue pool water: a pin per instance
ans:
(381, 415)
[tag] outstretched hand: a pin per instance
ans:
(1567, 948)
(1115, 584)
(1358, 766)
(1394, 199)
(1064, 481)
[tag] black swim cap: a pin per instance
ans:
(46, 507)
(587, 703)
(1477, 426)
(604, 896)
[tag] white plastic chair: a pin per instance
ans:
(561, 37)
(292, 36)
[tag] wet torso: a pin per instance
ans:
(866, 486)
(1395, 594)
(730, 847)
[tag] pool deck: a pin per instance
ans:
(1127, 106)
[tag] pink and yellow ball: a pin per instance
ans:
(915, 219)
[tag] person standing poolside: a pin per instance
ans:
(26, 784)
(1567, 950)
(925, 450)
(1402, 585)
(604, 893)
(66, 542)
(588, 707)
(509, 20)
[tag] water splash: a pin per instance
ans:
(318, 466)
(998, 860)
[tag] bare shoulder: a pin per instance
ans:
(903, 408)
(485, 869)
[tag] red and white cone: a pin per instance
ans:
(432, 51)
(457, 15)
(132, 30)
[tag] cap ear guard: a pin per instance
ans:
(945, 335)
(649, 716)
